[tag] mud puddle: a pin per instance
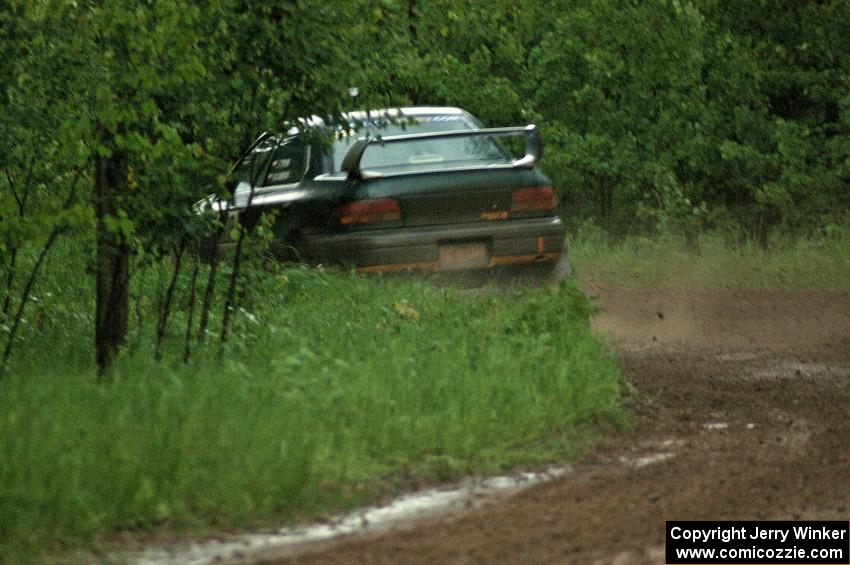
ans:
(403, 511)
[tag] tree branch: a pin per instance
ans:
(58, 228)
(12, 188)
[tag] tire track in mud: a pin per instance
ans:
(740, 411)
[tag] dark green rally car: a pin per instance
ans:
(420, 188)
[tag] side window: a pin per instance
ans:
(253, 164)
(288, 164)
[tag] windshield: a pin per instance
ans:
(426, 153)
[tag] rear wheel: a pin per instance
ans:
(288, 248)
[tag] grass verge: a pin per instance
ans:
(790, 263)
(329, 384)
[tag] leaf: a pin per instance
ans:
(406, 311)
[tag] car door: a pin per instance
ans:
(288, 165)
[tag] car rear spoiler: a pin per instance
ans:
(533, 148)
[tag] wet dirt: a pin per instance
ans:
(407, 510)
(740, 410)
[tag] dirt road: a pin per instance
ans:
(742, 411)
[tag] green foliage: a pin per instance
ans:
(662, 115)
(681, 114)
(331, 385)
(670, 117)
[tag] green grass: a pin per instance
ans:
(332, 389)
(791, 263)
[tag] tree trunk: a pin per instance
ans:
(206, 305)
(25, 295)
(165, 310)
(606, 207)
(190, 310)
(112, 264)
(692, 241)
(765, 220)
(28, 286)
(411, 22)
(10, 281)
(230, 298)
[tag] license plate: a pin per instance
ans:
(460, 256)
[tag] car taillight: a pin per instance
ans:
(367, 212)
(533, 199)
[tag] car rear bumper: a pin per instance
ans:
(509, 242)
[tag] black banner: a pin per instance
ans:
(758, 543)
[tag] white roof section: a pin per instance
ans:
(401, 112)
(411, 111)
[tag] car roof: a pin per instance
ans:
(411, 111)
(362, 115)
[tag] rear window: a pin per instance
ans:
(428, 153)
